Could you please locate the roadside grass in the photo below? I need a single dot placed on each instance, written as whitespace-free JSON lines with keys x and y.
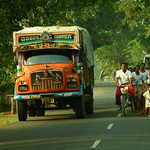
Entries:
{"x":7,"y":119}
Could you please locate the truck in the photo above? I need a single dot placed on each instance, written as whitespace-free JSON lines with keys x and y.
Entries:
{"x":55,"y":68}
{"x":146,"y":60}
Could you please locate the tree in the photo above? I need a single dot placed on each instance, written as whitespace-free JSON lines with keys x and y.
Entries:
{"x":16,"y":15}
{"x":129,"y":40}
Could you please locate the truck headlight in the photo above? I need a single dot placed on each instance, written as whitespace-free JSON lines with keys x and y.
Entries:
{"x":72,"y":84}
{"x":22,"y":88}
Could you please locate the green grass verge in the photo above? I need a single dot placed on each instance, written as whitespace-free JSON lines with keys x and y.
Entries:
{"x":5,"y":120}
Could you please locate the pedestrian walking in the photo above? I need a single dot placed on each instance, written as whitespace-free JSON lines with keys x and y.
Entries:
{"x":147,"y":100}
{"x":137,"y":82}
{"x":144,"y":72}
{"x":148,"y":75}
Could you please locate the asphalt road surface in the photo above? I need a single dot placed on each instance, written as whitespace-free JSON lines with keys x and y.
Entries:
{"x":106,"y":129}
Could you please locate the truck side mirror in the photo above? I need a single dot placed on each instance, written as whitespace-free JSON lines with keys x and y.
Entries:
{"x":79,"y":67}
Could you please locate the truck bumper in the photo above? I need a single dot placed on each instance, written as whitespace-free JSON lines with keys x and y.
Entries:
{"x":55,"y":95}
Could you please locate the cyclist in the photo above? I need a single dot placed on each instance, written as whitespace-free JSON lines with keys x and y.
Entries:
{"x":144,"y":72}
{"x":137,"y":82}
{"x":123,"y":77}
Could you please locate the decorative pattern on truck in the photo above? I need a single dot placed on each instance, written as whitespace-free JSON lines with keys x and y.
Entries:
{"x":46,"y":80}
{"x":47,"y":46}
{"x":29,"y":39}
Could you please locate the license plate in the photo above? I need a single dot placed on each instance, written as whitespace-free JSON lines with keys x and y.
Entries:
{"x":48,"y":100}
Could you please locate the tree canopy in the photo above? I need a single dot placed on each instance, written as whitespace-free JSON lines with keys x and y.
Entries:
{"x":127,"y":35}
{"x":119,"y":29}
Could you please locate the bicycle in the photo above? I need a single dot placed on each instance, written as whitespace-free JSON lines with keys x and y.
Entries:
{"x":124,"y":98}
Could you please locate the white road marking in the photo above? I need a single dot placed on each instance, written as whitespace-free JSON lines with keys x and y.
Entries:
{"x":110,"y":126}
{"x":119,"y":115}
{"x":95,"y":144}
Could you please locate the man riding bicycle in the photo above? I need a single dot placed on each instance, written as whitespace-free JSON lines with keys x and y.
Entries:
{"x":123,"y":77}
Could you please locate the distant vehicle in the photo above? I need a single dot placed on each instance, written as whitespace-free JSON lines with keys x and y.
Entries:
{"x":55,"y":65}
{"x":146,"y":60}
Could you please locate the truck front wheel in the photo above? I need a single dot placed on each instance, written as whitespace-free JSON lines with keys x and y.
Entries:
{"x":80,"y":107}
{"x":22,"y":110}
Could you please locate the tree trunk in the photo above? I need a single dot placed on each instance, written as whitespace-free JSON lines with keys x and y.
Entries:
{"x":101,"y":74}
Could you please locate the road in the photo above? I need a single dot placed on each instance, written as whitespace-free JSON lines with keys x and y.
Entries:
{"x":106,"y":129}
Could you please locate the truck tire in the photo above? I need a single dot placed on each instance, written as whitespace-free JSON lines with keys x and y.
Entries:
{"x":32,"y":113}
{"x":80,"y":107}
{"x":89,"y":108}
{"x":22,"y":110}
{"x":41,"y":112}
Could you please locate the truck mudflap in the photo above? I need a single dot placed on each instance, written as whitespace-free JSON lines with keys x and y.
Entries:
{"x":55,"y":95}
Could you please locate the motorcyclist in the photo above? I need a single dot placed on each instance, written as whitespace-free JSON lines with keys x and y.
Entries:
{"x":123,"y":77}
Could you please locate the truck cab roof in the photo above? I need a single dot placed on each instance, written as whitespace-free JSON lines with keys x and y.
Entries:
{"x":39,"y":29}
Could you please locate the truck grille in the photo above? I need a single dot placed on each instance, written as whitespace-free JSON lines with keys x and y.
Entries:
{"x":46,"y":80}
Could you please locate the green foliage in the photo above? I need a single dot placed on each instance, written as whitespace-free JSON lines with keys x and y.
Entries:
{"x":128,"y":36}
{"x":120,"y":30}
{"x":18,"y":14}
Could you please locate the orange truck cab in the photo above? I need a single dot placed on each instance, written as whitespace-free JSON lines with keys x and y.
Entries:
{"x":54,"y":68}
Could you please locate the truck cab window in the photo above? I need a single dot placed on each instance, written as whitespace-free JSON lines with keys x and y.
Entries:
{"x":47,"y":57}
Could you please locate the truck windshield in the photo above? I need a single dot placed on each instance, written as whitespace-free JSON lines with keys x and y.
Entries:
{"x":47,"y":57}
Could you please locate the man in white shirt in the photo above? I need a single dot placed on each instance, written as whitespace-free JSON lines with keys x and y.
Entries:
{"x":144,"y":86}
{"x":145,"y":75}
{"x":148,"y":75}
{"x":123,"y":77}
{"x":137,"y":83}
{"x":147,"y":99}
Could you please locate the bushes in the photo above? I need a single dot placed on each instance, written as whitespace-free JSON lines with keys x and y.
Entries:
{"x":4,"y":103}
{"x":6,"y":87}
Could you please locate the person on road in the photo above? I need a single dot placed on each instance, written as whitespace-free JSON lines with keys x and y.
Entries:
{"x":147,"y":100}
{"x":127,"y":65}
{"x":123,"y":77}
{"x":144,"y":72}
{"x":148,"y":75}
{"x":114,"y":75}
{"x":137,"y":82}
{"x":130,"y":69}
